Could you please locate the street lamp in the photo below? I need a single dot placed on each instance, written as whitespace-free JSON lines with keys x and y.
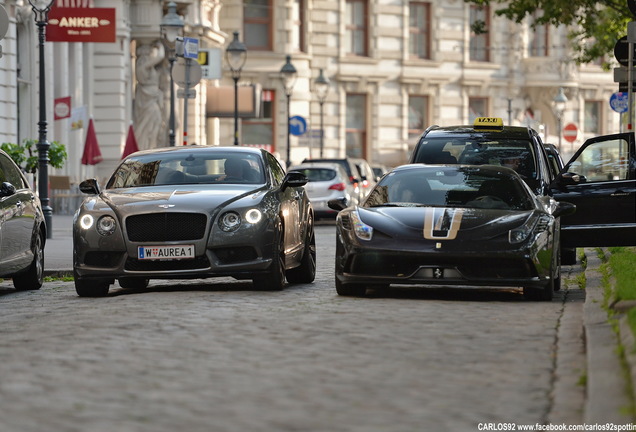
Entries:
{"x":321,"y":85}
{"x":288,"y":78}
{"x":236,"y":55}
{"x":171,"y":25}
{"x":559,"y":103}
{"x":41,"y":10}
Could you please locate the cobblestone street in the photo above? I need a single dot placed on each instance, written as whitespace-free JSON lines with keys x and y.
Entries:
{"x":215,"y":355}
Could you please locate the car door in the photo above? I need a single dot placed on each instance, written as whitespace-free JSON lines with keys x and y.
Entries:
{"x":288,"y":205}
{"x":17,"y":217}
{"x":600,"y":180}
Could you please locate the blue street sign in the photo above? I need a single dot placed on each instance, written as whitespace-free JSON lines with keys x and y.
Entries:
{"x":619,"y":102}
{"x":297,"y":125}
{"x":190,"y":48}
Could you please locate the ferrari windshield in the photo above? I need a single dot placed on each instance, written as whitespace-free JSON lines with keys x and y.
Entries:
{"x":188,"y":168}
{"x":470,"y":187}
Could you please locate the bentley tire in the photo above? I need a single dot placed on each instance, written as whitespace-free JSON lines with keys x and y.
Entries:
{"x":306,"y":271}
{"x":275,"y":279}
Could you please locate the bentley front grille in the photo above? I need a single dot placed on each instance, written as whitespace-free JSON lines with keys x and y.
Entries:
{"x":162,"y":227}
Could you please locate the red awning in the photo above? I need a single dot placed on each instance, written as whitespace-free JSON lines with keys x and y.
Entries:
{"x":92,"y":155}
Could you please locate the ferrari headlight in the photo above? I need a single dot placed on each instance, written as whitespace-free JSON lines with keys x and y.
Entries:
{"x":520,"y":234}
{"x":362,"y":230}
{"x":230,"y":221}
{"x":106,"y":225}
{"x":86,"y":221}
{"x":253,"y":216}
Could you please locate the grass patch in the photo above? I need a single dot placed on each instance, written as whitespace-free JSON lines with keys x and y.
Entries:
{"x":623,"y":266}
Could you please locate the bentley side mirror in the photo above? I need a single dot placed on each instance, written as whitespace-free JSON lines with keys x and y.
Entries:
{"x":294,"y":179}
{"x":89,"y":186}
{"x":6,"y":189}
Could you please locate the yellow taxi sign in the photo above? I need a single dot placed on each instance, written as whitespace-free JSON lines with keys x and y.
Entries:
{"x":492,"y":123}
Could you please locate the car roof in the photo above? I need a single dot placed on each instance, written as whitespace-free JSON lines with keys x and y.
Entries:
{"x":514,"y":132}
{"x":201,"y":148}
{"x":324,"y":165}
{"x":486,"y":169}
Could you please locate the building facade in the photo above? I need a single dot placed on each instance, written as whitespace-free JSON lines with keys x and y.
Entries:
{"x":394,"y":68}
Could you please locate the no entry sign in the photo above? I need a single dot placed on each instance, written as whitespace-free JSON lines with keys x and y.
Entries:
{"x":570,"y":131}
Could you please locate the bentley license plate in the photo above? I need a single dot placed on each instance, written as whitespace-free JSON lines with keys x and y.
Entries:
{"x":165,"y":252}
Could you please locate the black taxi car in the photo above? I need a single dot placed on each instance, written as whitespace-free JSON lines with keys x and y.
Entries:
{"x":600,"y":179}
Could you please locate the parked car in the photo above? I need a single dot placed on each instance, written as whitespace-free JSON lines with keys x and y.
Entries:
{"x":379,"y":170}
{"x":452,"y":225}
{"x":326,"y":181}
{"x":194,"y":212}
{"x":22,"y":228}
{"x":349,"y":167}
{"x":367,"y":178}
{"x":600,"y":179}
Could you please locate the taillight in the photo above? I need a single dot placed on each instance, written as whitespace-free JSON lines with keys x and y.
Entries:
{"x":337,"y":186}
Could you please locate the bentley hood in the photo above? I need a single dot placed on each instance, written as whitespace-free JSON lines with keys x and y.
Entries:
{"x":192,"y":198}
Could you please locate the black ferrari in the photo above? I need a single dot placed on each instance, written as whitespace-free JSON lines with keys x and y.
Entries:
{"x":452,"y":226}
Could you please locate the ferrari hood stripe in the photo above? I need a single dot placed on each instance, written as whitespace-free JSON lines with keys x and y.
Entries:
{"x":442,"y":223}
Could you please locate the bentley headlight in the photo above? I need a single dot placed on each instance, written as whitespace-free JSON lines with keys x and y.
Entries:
{"x":362,"y":230}
{"x":253,"y":216}
{"x":86,"y":221}
{"x":106,"y":225}
{"x":230,"y":221}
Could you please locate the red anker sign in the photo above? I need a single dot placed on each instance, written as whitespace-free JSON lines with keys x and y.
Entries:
{"x":570,"y":131}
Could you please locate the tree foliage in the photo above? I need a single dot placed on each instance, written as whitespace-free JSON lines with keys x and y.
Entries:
{"x":595,"y":26}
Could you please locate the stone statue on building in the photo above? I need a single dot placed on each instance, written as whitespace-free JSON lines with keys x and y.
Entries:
{"x":149,"y":97}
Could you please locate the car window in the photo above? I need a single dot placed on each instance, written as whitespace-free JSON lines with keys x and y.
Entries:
{"x":278,"y":173}
{"x":185,"y":168}
{"x":9,"y":173}
{"x":464,"y":188}
{"x":602,"y":161}
{"x":318,"y":174}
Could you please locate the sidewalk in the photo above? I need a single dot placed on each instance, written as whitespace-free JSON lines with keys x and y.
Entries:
{"x":608,"y":398}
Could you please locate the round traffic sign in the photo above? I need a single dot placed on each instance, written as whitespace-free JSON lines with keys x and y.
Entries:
{"x":619,"y":102}
{"x":297,"y":125}
{"x":621,"y":51}
{"x":186,"y":76}
{"x":570,"y":131}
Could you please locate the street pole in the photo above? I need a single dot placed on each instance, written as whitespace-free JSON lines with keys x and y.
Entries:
{"x":322,"y":128}
{"x":236,"y":134}
{"x":288,"y":94}
{"x":236,"y":55}
{"x":186,"y":100}
{"x":288,"y":75}
{"x":171,"y":25}
{"x":171,"y":123}
{"x":41,"y":10}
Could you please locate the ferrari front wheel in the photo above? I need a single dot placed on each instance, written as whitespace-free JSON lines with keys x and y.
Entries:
{"x":349,"y":289}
